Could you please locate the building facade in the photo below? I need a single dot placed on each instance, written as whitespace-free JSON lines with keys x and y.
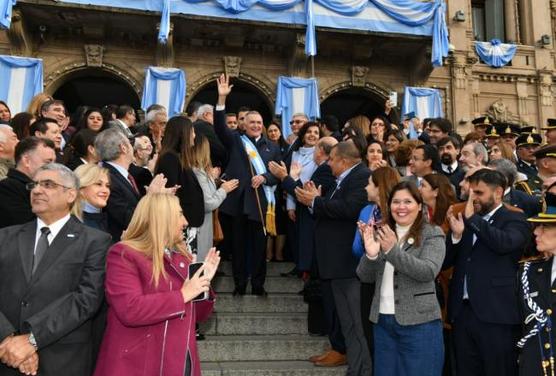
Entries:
{"x":97,"y":55}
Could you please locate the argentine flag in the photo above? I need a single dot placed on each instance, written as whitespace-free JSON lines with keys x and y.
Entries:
{"x":20,"y":80}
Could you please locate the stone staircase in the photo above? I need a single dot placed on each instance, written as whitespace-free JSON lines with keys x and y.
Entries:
{"x":254,"y":336}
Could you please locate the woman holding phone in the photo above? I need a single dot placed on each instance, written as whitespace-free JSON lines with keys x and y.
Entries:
{"x":152,"y":298}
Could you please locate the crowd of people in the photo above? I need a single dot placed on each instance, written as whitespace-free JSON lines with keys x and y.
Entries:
{"x":421,"y":252}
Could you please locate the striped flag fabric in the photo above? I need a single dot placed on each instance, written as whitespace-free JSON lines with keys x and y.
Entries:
{"x":296,"y":95}
{"x":164,"y":86}
{"x":21,"y":78}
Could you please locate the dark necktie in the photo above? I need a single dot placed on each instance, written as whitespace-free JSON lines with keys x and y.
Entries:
{"x":450,"y":169}
{"x":133,"y":183}
{"x":42,"y":246}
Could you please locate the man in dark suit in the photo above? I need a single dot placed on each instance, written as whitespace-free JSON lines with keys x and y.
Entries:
{"x":51,"y":282}
{"x":205,"y":125}
{"x":245,"y":209}
{"x":424,"y":160}
{"x":484,"y":247}
{"x":448,"y":151}
{"x":15,"y":205}
{"x":336,"y":216}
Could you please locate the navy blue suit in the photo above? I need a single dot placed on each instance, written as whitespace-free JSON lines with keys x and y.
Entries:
{"x":240,"y":211}
{"x":486,"y":325}
{"x":531,"y":205}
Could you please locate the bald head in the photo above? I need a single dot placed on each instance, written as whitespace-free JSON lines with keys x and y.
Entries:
{"x":323,"y":149}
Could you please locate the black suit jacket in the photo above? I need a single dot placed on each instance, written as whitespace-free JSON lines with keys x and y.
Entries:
{"x":190,"y":193}
{"x":57,"y":302}
{"x":455,"y":178}
{"x":243,"y":199}
{"x":15,"y":200}
{"x":218,"y":153}
{"x":121,"y":203}
{"x":336,"y":221}
{"x":321,"y":177}
{"x":142,"y":176}
{"x":543,"y":293}
{"x":490,"y":264}
{"x":531,"y":205}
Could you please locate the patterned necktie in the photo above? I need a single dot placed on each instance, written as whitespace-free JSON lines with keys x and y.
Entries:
{"x":42,"y":246}
{"x":133,"y":183}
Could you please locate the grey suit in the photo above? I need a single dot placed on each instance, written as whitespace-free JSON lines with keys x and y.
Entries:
{"x":415,"y":269}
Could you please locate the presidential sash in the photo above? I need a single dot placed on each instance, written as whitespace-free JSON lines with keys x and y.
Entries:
{"x":259,"y":167}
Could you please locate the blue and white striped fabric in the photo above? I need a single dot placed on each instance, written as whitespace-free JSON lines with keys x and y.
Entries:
{"x":20,"y":80}
{"x":296,"y":95}
{"x":164,"y":86}
{"x":427,"y":18}
{"x":6,"y":13}
{"x":259,"y":167}
{"x":425,"y":102}
{"x":495,"y":53}
{"x":164,"y":29}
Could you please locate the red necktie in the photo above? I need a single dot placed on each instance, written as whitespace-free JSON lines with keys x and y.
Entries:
{"x":133,"y":183}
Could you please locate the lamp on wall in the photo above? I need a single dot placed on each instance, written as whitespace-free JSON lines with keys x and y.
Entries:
{"x":545,"y":40}
{"x":459,"y":16}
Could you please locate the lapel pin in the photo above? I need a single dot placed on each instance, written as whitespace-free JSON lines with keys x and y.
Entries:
{"x":410,"y":241}
{"x":539,"y":270}
{"x":182,"y":265}
{"x":70,"y":235}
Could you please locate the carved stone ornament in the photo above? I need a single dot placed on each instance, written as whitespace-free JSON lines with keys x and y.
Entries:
{"x":500,"y":112}
{"x":232,"y":65}
{"x":545,"y":89}
{"x":94,"y":54}
{"x":359,"y":75}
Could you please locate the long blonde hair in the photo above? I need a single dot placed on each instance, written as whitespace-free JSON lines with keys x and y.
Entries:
{"x":201,"y":154}
{"x":153,"y":229}
{"x":88,"y":174}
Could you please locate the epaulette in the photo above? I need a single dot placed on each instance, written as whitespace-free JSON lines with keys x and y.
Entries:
{"x":533,"y":259}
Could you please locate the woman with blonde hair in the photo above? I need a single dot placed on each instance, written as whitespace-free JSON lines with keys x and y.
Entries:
{"x":153,"y":301}
{"x":362,"y":123}
{"x":94,"y":183}
{"x":213,"y":195}
{"x":36,"y":103}
{"x":501,"y":150}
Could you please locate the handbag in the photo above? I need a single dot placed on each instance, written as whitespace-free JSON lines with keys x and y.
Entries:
{"x":217,"y":233}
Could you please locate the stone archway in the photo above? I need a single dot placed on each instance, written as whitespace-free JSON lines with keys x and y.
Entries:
{"x":80,"y":85}
{"x":248,"y":91}
{"x":345,"y":100}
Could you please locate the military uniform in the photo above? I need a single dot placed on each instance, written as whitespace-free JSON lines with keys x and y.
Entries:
{"x":528,"y":139}
{"x":537,"y":295}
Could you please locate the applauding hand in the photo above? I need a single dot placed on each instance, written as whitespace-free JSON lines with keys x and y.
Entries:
{"x":212,"y":260}
{"x":372,"y":247}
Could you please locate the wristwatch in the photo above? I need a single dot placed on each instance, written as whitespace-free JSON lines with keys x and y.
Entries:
{"x":32,"y":340}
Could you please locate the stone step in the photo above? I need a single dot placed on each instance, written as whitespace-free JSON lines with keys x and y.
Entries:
{"x":273,"y":368}
{"x":255,"y":324}
{"x":225,"y":302}
{"x":260,"y":348}
{"x":273,"y":269}
{"x":272,"y":285}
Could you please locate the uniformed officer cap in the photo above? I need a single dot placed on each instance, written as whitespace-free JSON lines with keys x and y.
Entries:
{"x":550,"y":124}
{"x":483,"y":120}
{"x":548,"y":214}
{"x":545,"y":152}
{"x":508,"y":128}
{"x":533,"y":139}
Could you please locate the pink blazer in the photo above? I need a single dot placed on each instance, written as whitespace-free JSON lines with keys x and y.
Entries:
{"x":149,"y":330}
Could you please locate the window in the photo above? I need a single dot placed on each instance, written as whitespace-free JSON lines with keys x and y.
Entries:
{"x":488,"y":19}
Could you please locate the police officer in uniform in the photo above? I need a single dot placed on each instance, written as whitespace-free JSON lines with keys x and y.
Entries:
{"x":481,"y":124}
{"x":545,"y":159}
{"x":550,"y":131}
{"x":537,"y":292}
{"x":526,"y":144}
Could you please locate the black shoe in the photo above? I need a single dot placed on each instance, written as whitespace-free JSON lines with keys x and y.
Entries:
{"x":239,"y":291}
{"x":259,"y":291}
{"x":199,"y":336}
{"x":291,"y":273}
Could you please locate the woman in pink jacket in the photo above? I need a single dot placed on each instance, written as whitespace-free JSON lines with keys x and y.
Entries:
{"x":151,"y":316}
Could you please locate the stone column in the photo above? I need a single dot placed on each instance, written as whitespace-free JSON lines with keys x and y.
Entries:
{"x":510,"y":21}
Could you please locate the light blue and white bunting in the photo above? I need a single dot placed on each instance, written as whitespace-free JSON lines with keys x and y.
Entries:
{"x":6,"y":13}
{"x":425,"y":18}
{"x":20,"y":80}
{"x":164,"y":86}
{"x":495,"y":53}
{"x":425,"y":102}
{"x":296,"y":95}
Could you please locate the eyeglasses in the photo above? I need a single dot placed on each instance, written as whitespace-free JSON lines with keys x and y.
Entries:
{"x":46,"y":184}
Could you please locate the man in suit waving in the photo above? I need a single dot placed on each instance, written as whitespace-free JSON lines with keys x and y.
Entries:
{"x":336,"y":217}
{"x":484,"y":246}
{"x":51,"y":282}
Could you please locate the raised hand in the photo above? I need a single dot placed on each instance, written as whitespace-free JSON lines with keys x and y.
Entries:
{"x":279,"y":170}
{"x":456,"y":223}
{"x":387,"y":238}
{"x":372,"y":247}
{"x":212,"y":260}
{"x":223,"y":85}
{"x":158,"y":185}
{"x":295,"y":170}
{"x":469,"y":207}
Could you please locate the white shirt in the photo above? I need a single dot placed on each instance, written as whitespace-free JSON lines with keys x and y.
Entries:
{"x":454,"y":167}
{"x":54,"y":229}
{"x":121,"y":170}
{"x":387,"y":301}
